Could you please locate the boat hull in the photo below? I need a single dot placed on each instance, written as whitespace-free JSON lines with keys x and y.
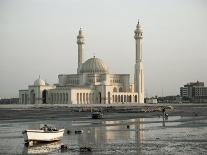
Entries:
{"x":42,"y":136}
{"x":96,"y":115}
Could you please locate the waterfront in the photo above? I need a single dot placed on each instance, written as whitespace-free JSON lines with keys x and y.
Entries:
{"x":180,"y":134}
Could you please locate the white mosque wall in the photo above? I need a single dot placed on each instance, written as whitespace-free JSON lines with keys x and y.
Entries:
{"x":60,"y":95}
{"x":82,"y":96}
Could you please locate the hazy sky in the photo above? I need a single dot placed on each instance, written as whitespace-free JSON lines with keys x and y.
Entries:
{"x":38,"y":37}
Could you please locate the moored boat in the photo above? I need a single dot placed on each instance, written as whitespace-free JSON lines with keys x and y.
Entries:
{"x":96,"y":115}
{"x":44,"y":134}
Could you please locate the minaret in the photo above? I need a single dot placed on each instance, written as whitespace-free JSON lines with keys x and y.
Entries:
{"x":139,"y":68}
{"x":80,"y":42}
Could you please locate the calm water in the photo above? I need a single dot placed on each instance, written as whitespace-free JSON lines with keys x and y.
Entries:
{"x":145,"y":136}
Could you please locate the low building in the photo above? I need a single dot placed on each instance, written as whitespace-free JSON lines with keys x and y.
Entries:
{"x":151,"y":100}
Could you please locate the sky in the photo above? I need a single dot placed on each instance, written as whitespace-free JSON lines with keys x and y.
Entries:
{"x":38,"y":37}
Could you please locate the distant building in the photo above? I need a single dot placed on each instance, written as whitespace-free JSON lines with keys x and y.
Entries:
{"x":169,"y":99}
{"x":9,"y":100}
{"x":151,"y":100}
{"x":194,"y":92}
{"x":93,"y":83}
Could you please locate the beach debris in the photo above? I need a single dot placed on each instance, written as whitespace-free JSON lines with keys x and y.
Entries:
{"x":78,"y":131}
{"x":195,"y":114}
{"x":85,"y":149}
{"x":68,"y":132}
{"x":63,"y":147}
{"x":128,"y":126}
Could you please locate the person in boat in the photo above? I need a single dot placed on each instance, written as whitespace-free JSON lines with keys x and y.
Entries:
{"x":45,"y":127}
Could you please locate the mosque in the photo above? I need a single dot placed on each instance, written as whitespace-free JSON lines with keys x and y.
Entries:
{"x":93,"y":83}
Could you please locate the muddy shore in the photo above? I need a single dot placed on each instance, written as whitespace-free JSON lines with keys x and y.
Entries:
{"x":16,"y":112}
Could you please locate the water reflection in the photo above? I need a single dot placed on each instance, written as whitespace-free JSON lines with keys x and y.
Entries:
{"x":113,"y":133}
{"x":42,"y":148}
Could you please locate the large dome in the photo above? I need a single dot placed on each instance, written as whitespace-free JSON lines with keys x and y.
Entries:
{"x":39,"y":82}
{"x":94,"y":65}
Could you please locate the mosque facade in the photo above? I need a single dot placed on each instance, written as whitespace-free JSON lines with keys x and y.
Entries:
{"x":93,"y":83}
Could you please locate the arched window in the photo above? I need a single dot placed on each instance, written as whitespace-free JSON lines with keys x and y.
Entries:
{"x":115,"y":89}
{"x":120,"y":89}
{"x":116,"y":98}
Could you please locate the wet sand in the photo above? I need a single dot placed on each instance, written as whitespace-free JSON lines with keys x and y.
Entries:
{"x":13,"y":112}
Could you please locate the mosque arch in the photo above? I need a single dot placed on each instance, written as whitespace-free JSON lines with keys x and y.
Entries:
{"x":99,"y":97}
{"x":130,"y":98}
{"x":63,"y":97}
{"x":80,"y":98}
{"x":118,"y":98}
{"x":77,"y":98}
{"x":90,"y":98}
{"x":114,"y":89}
{"x":22,"y":98}
{"x":32,"y":97}
{"x":86,"y":98}
{"x":124,"y":98}
{"x":109,"y":98}
{"x":135,"y":98}
{"x":51,"y":98}
{"x":57,"y":99}
{"x":115,"y":98}
{"x":60,"y":98}
{"x":121,"y":98}
{"x":66,"y":98}
{"x":54,"y":98}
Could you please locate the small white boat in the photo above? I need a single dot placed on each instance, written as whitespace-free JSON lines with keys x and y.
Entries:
{"x":44,"y":134}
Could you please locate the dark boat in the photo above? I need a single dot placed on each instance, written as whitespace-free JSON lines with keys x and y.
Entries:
{"x":96,"y":115}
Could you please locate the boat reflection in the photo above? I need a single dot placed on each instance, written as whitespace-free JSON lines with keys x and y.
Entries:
{"x":42,"y":148}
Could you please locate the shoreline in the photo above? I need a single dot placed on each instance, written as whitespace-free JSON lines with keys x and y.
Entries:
{"x":39,"y":112}
{"x":128,"y":105}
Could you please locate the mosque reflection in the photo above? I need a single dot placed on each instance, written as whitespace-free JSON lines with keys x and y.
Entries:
{"x":114,"y":132}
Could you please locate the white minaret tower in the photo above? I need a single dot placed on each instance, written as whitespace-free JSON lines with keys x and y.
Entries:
{"x":139,"y":68}
{"x":80,"y":42}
